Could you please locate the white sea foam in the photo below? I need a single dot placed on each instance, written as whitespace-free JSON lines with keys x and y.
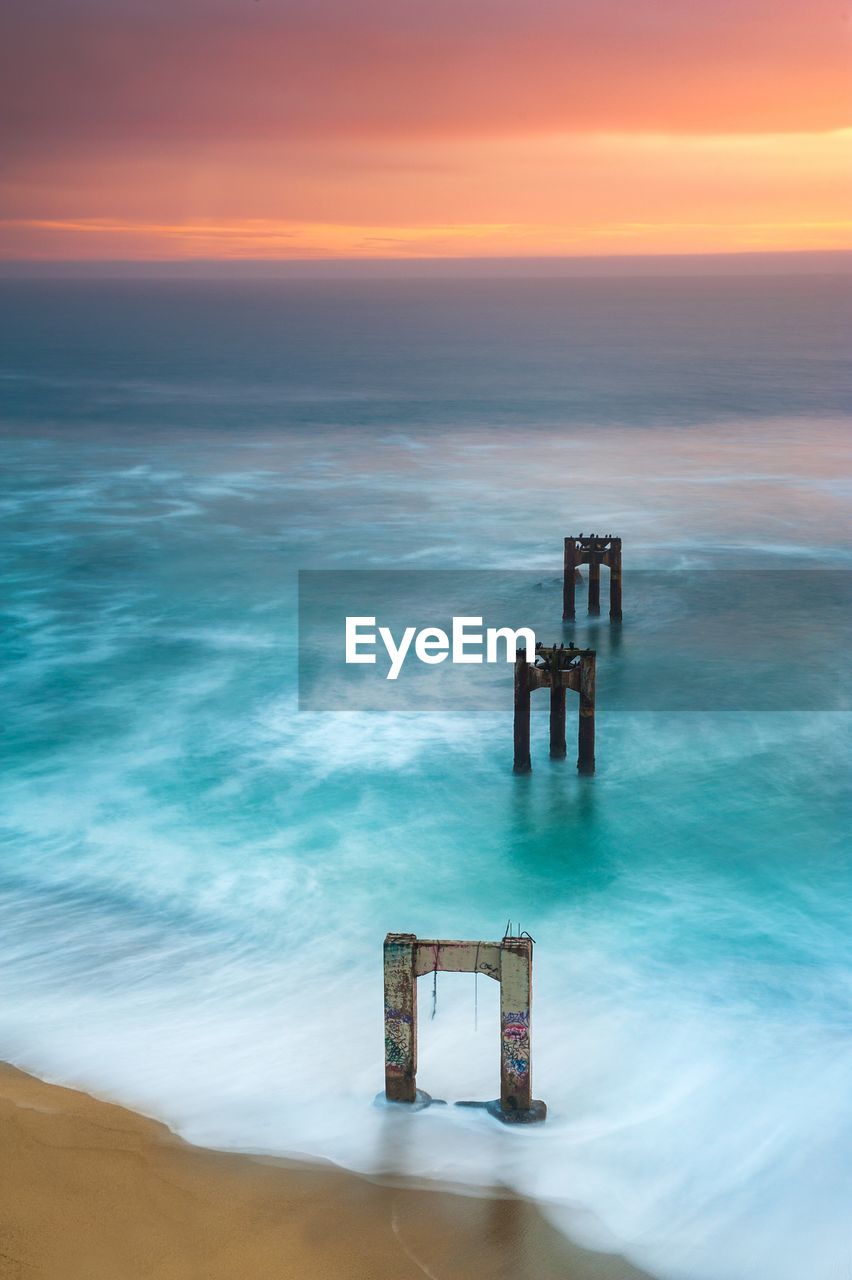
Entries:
{"x":703,"y":1138}
{"x":697,"y":1111}
{"x":197,"y":876}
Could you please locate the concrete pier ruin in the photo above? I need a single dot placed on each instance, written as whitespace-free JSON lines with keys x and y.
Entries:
{"x":557,"y":668}
{"x":509,"y":962}
{"x":593,"y":549}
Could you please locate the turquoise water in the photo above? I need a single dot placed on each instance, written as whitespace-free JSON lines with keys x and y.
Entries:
{"x":197,"y":876}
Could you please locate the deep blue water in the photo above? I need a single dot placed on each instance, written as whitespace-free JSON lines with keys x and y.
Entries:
{"x":196,"y":876}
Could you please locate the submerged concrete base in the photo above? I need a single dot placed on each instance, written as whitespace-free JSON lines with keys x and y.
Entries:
{"x":535,"y":1115}
{"x":421,"y":1101}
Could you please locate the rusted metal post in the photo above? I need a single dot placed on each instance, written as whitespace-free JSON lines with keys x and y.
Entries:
{"x":400,"y":1017}
{"x":615,"y":580}
{"x":569,"y":576}
{"x":515,"y":1010}
{"x":586,"y":734}
{"x":557,"y":668}
{"x":523,"y":762}
{"x":558,"y":747}
{"x":593,"y":549}
{"x":594,"y":584}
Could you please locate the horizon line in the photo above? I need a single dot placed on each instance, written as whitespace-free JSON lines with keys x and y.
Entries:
{"x":746,"y":262}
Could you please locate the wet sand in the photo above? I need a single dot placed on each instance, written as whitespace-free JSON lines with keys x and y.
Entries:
{"x":91,"y":1191}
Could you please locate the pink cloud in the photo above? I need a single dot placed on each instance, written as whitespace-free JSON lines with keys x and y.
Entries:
{"x":87,"y":73}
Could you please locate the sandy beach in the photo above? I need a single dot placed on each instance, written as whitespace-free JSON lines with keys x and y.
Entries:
{"x":91,"y":1191}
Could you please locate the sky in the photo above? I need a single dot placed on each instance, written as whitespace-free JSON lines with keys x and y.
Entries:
{"x":306,"y":129}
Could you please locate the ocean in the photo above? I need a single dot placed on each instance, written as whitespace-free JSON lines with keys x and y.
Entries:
{"x":198,"y":869}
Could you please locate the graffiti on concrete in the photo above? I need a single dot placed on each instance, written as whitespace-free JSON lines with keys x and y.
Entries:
{"x":397,"y":1039}
{"x":516,"y":1043}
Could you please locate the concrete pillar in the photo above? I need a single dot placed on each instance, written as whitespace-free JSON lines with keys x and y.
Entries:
{"x":615,"y":581}
{"x":586,"y":735}
{"x":400,"y":1018}
{"x":594,"y":584}
{"x":523,"y":762}
{"x":515,"y":1010}
{"x":569,"y":571}
{"x":558,"y":747}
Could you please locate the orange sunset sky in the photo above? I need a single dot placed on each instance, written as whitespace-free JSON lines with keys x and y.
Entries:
{"x":173,"y":129}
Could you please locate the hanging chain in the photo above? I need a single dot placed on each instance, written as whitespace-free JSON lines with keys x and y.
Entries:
{"x":476,"y":989}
